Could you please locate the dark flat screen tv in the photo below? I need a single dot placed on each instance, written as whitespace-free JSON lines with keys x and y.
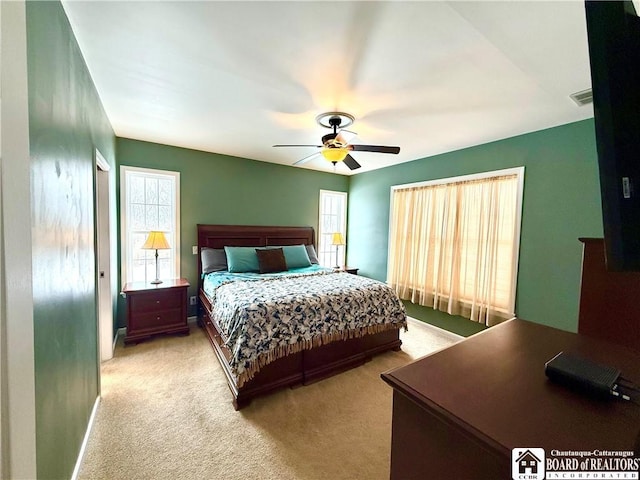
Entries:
{"x":613,"y":31}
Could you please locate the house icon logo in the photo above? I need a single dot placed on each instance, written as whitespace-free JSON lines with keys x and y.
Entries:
{"x":527,"y":464}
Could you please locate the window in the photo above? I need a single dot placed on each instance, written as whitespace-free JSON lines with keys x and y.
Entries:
{"x":150,"y":200}
{"x":332,"y":219}
{"x":453,"y":244}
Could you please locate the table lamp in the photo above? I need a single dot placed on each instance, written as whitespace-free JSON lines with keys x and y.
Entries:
{"x":156,"y":241}
{"x":337,"y":239}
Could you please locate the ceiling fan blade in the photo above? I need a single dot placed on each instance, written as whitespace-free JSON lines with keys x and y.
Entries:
{"x":345,"y":136}
{"x":317,"y":146}
{"x":374,"y":148}
{"x":350,"y":162}
{"x":307,"y":158}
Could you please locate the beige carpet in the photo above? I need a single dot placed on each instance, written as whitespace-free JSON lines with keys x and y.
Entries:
{"x":166,"y":413}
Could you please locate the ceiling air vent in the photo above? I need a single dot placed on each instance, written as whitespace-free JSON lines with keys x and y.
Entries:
{"x":582,"y":98}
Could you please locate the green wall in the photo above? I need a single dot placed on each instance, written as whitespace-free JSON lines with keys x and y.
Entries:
{"x":220,"y":189}
{"x":66,"y":124}
{"x":561,"y":203}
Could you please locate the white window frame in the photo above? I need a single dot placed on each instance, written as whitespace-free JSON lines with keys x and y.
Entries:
{"x":173,"y":239}
{"x":518,"y":171}
{"x":327,"y":252}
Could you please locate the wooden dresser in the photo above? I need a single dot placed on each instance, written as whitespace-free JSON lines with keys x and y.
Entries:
{"x":154,"y":309}
{"x":459,"y":412}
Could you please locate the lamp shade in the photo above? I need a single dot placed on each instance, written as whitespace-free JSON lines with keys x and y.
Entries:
{"x":156,"y":241}
{"x":337,"y":239}
{"x":335,"y":154}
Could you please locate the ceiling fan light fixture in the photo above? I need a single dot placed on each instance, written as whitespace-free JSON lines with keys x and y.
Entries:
{"x":335,"y":154}
{"x":336,"y":146}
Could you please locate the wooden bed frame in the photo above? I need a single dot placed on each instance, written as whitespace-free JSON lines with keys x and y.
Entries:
{"x":304,"y":367}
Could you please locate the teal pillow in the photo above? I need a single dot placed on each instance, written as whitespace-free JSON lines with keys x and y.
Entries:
{"x":242,"y":259}
{"x":296,"y":256}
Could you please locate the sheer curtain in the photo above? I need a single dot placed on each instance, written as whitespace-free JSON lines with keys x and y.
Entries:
{"x":454,"y":246}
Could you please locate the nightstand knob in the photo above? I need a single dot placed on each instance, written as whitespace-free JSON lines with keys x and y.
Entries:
{"x":157,"y":318}
{"x":157,"y":301}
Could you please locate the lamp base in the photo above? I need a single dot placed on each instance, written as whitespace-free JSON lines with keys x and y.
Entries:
{"x":155,"y":282}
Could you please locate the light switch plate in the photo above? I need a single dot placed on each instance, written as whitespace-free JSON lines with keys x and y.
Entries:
{"x":194,"y":249}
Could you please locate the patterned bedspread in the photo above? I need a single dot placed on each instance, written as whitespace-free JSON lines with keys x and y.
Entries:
{"x":266,"y":319}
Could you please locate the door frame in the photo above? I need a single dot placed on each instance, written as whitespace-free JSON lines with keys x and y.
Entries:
{"x":17,"y":382}
{"x":104,"y":271}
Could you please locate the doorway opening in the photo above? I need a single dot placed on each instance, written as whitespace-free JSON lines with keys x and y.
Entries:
{"x":103,"y":259}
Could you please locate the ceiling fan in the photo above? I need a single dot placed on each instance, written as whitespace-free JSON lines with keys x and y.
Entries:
{"x":335,"y":146}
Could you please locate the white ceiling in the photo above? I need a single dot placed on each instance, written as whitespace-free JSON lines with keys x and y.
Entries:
{"x":237,"y":77}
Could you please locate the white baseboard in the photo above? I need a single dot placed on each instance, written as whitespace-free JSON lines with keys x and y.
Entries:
{"x":76,"y":469}
{"x":441,"y":331}
{"x":192,"y":320}
{"x":120,"y":332}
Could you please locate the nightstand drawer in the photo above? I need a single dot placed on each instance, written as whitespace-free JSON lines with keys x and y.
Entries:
{"x":156,"y":301}
{"x":159,"y":320}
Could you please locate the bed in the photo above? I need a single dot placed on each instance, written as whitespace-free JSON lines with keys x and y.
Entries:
{"x":277,"y":329}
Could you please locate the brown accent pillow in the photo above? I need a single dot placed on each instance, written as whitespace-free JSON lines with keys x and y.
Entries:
{"x":271,"y":260}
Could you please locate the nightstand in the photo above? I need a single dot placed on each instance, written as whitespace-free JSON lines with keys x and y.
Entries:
{"x":154,"y":309}
{"x":352,"y":270}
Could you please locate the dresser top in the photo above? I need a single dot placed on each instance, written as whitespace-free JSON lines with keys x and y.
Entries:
{"x":493,"y":386}
{"x":141,"y":286}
